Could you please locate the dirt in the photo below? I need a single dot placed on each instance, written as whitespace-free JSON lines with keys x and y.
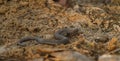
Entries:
{"x":98,"y":23}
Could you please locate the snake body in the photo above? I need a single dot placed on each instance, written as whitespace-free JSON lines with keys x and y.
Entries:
{"x":60,"y":35}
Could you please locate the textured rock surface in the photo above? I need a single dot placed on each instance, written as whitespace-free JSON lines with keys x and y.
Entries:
{"x":109,"y":58}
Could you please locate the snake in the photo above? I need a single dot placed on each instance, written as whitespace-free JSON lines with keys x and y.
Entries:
{"x":61,"y":37}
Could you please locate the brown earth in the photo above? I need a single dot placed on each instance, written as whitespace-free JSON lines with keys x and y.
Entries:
{"x":98,"y":23}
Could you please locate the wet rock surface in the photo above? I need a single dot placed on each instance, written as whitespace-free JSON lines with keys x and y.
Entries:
{"x":98,"y":23}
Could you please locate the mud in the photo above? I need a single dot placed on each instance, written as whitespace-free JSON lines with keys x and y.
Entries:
{"x":98,"y":23}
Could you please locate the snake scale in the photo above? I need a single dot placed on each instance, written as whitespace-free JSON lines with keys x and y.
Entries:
{"x":60,"y":35}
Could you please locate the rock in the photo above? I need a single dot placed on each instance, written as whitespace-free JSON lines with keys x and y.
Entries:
{"x":69,"y":56}
{"x":109,"y":58}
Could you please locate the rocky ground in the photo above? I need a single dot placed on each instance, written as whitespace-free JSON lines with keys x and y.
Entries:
{"x":98,"y":23}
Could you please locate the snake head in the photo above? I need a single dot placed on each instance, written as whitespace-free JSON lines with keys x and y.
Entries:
{"x":73,"y":31}
{"x":69,"y":31}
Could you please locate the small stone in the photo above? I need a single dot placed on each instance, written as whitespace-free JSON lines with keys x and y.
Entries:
{"x":109,"y":58}
{"x":24,"y":3}
{"x":116,"y":28}
{"x":48,"y":36}
{"x":103,"y":38}
{"x":76,"y":8}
